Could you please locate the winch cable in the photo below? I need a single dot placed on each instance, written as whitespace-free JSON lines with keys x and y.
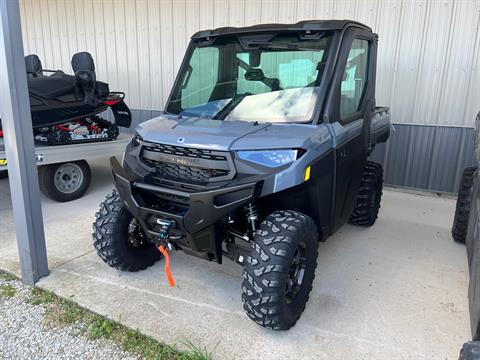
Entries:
{"x":165,"y":253}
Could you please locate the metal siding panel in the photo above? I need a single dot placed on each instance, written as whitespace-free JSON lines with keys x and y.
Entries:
{"x":133,"y":74}
{"x":305,"y":10}
{"x":236,"y":13}
{"x":79,"y":20}
{"x":143,"y":55}
{"x":220,"y":11}
{"x":410,"y":43}
{"x":119,"y":42}
{"x":451,"y":107}
{"x":110,"y":26}
{"x":24,"y":25}
{"x":367,"y":12}
{"x":426,"y":157}
{"x":207,"y":14}
{"x":472,"y":105}
{"x":48,"y":60}
{"x":166,"y":31}
{"x":100,"y":40}
{"x":324,"y":9}
{"x":344,"y":9}
{"x":432,"y":65}
{"x":286,"y":11}
{"x":155,"y":47}
{"x":88,"y":9}
{"x":389,"y":29}
{"x":192,"y":19}
{"x":179,"y":35}
{"x":269,"y":11}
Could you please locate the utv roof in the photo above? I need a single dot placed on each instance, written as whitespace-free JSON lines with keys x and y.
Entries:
{"x":306,"y":25}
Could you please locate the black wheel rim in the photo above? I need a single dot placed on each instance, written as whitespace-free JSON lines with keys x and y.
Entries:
{"x":136,"y":239}
{"x":296,"y":273}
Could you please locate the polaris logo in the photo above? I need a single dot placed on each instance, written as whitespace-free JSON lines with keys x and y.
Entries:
{"x":177,"y":159}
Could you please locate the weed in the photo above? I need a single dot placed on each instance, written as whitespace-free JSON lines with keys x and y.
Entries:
{"x":7,"y":290}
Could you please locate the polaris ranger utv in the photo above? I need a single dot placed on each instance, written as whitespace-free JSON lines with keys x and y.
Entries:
{"x":261,"y":153}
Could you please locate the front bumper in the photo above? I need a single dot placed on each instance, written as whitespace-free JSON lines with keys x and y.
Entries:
{"x":198,"y":215}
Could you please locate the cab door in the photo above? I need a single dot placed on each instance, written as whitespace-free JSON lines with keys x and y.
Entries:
{"x":351,"y":104}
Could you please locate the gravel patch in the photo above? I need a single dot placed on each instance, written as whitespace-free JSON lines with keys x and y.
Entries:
{"x":23,"y":334}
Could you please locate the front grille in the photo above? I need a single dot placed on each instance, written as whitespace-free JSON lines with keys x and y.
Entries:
{"x":187,"y":152}
{"x":188,"y":165}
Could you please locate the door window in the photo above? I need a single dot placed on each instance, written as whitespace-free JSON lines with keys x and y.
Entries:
{"x":354,"y":78}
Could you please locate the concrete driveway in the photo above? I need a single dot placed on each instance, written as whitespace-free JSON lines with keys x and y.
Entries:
{"x":397,"y":290}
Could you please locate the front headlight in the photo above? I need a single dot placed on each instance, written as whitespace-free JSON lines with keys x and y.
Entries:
{"x":137,"y":140}
{"x":270,"y":158}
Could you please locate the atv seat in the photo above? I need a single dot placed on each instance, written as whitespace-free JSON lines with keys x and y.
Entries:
{"x":33,"y":65}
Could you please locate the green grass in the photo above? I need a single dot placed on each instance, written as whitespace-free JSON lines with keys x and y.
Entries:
{"x":6,"y":276}
{"x":7,"y":290}
{"x":61,"y":312}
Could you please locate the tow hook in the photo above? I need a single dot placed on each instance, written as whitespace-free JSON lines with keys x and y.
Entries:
{"x":166,"y":226}
{"x":165,"y":245}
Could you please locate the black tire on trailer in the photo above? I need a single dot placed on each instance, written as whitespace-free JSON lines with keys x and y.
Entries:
{"x":369,"y":196}
{"x":278,"y":275}
{"x":462,"y":210}
{"x":66,"y":181}
{"x":118,"y":238}
{"x":3,"y":174}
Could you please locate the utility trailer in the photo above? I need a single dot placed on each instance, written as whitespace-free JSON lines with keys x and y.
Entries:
{"x":63,"y":171}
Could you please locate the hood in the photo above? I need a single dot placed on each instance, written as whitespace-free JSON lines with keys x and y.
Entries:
{"x":196,"y":132}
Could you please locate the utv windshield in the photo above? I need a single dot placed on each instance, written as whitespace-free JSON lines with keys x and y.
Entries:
{"x":248,"y":79}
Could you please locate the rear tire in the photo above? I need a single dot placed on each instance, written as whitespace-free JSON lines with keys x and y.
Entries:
{"x":3,"y":174}
{"x":462,"y":210}
{"x":369,"y":196}
{"x":117,"y":245}
{"x":66,"y":181}
{"x":280,"y":269}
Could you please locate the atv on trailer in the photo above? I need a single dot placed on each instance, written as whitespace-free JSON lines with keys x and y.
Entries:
{"x":261,"y":153}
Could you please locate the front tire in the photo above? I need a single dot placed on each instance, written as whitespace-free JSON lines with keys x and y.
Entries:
{"x":66,"y":181}
{"x":462,"y":210}
{"x":119,"y":240}
{"x":369,"y":196}
{"x":280,"y":269}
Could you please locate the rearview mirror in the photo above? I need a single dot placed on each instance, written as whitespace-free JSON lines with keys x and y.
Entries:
{"x":254,"y":58}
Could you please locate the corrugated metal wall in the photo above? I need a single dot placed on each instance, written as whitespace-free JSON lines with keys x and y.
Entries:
{"x":428,"y":59}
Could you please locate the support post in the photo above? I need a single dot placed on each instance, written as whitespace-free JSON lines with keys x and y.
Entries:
{"x":19,"y":146}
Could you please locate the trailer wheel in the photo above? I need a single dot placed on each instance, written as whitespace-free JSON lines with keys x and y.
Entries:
{"x":278,"y":275}
{"x":64,"y":181}
{"x":3,"y":174}
{"x":369,"y":196}
{"x":118,"y":238}
{"x":462,"y":210}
